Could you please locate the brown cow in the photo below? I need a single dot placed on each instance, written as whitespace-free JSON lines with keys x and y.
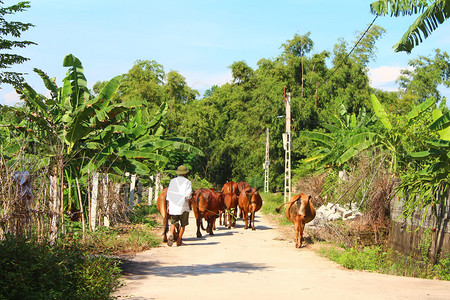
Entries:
{"x":229,"y":187}
{"x":206,"y":204}
{"x":242,"y":186}
{"x":230,"y":201}
{"x":249,"y":203}
{"x":299,"y":211}
{"x":163,"y":208}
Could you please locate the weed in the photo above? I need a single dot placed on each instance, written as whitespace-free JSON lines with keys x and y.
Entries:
{"x":425,"y":245}
{"x":442,"y":268}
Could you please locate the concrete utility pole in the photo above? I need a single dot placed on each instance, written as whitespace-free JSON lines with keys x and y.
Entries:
{"x":266,"y":164}
{"x":287,"y":147}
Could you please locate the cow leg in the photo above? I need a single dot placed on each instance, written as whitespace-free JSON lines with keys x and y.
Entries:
{"x":225,"y":217}
{"x":299,"y":225}
{"x":166,"y":228}
{"x":199,"y":224}
{"x":253,"y":220}
{"x":213,"y":226}
{"x":245,"y":216}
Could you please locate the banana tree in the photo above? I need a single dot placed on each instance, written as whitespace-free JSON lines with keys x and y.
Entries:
{"x":428,"y":184}
{"x":137,"y":147}
{"x":391,"y":137}
{"x":347,"y":136}
{"x":350,"y":134}
{"x":63,"y":123}
{"x":432,"y":14}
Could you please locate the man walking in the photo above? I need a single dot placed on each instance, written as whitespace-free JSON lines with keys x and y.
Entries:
{"x":178,"y":195}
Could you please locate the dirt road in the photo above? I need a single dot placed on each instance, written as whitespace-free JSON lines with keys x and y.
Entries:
{"x":262,"y":264}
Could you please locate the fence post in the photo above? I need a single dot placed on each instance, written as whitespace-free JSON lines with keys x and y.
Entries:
{"x":94,"y":200}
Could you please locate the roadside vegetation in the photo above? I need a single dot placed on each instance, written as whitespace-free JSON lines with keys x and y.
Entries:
{"x":74,"y":161}
{"x":347,"y":245}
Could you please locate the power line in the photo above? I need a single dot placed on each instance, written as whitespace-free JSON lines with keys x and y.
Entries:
{"x":342,"y":62}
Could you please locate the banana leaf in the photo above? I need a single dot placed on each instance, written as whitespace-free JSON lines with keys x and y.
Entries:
{"x":419,"y":109}
{"x":323,"y":138}
{"x":442,"y":124}
{"x":380,"y":112}
{"x":360,"y":138}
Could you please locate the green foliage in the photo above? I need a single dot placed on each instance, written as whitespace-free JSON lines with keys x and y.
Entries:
{"x":12,"y":29}
{"x":140,"y":214}
{"x":347,"y":136}
{"x":443,"y":268}
{"x":425,"y":183}
{"x":375,"y":259}
{"x":34,"y":270}
{"x":368,"y":259}
{"x":426,"y":73}
{"x":432,"y":13}
{"x":110,"y":240}
{"x":198,"y":183}
{"x":425,"y":244}
{"x":271,"y":202}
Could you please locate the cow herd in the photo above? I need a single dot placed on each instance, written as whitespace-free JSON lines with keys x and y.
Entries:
{"x":236,"y":198}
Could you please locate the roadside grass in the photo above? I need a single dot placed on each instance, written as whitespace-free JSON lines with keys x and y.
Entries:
{"x":376,"y":258}
{"x":75,"y":267}
{"x":272,"y":202}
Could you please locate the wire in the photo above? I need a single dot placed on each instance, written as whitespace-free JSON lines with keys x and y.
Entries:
{"x":342,"y":62}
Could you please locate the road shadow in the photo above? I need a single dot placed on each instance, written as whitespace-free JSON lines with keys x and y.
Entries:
{"x":136,"y":270}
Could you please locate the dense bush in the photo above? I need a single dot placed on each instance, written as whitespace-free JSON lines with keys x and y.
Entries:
{"x":37,"y":270}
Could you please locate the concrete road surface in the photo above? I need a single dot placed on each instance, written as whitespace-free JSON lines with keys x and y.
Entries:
{"x":240,"y":263}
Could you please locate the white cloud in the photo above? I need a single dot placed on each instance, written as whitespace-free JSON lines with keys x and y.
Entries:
{"x":384,"y":77}
{"x":202,"y":81}
{"x":11,"y":98}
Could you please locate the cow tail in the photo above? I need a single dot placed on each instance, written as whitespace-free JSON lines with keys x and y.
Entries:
{"x":279,"y":208}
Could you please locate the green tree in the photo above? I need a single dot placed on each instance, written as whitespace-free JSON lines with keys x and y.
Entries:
{"x":8,"y":30}
{"x":177,"y":88}
{"x":294,"y":52}
{"x":241,"y":72}
{"x":144,"y":82}
{"x":426,"y":75}
{"x":365,"y":50}
{"x":432,"y":14}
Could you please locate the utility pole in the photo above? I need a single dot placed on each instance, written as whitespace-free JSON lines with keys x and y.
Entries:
{"x":287,"y":147}
{"x":266,"y":164}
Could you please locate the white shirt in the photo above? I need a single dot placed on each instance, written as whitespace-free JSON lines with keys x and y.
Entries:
{"x":178,"y":193}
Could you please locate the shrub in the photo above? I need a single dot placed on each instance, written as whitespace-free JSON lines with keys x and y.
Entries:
{"x":140,"y":214}
{"x":443,"y":268}
{"x":37,"y":270}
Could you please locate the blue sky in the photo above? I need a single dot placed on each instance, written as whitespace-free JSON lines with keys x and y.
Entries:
{"x":199,"y":39}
